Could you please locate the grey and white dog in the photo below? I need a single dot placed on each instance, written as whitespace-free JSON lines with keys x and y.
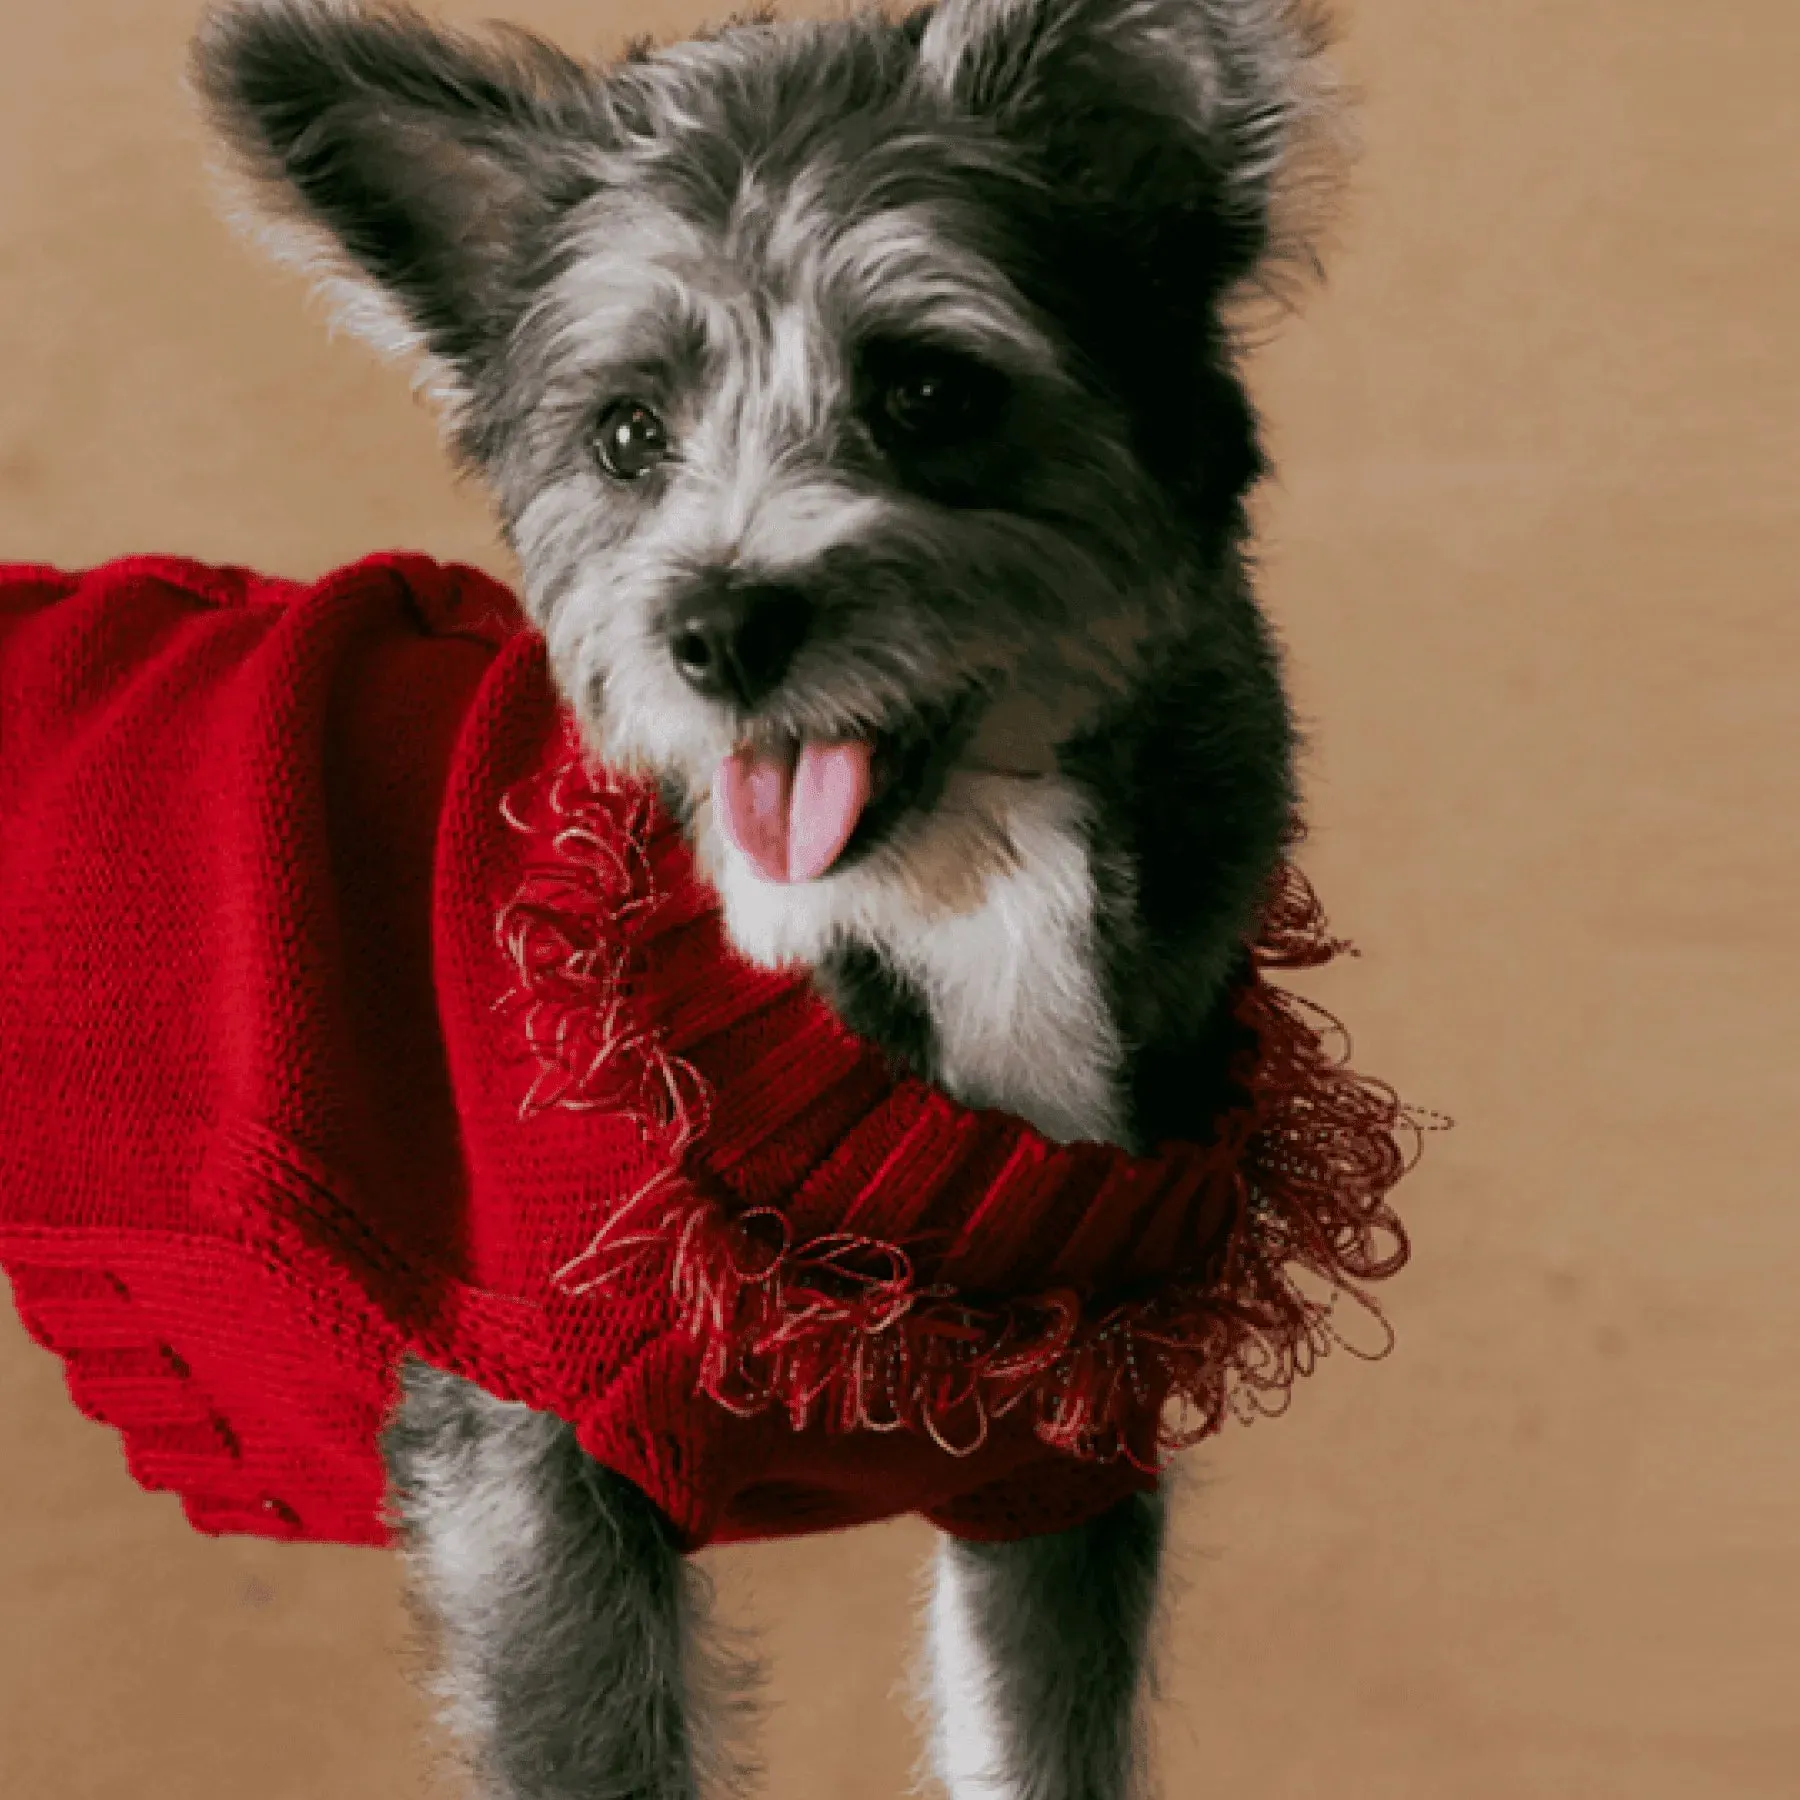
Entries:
{"x":860,"y":401}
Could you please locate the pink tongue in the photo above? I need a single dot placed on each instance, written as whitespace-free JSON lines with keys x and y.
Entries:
{"x":792,"y":815}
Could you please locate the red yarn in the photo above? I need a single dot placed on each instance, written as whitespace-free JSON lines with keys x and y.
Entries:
{"x":270,"y":856}
{"x":851,"y":1330}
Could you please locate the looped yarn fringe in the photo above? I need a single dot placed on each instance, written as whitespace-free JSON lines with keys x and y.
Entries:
{"x":846,"y":1327}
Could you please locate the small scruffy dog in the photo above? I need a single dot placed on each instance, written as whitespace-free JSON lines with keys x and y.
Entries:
{"x":860,"y":403}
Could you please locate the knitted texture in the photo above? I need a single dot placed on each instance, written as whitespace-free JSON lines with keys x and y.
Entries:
{"x":345,"y":1009}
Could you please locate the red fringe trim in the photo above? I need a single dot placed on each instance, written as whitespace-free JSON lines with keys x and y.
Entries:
{"x":843,"y":1328}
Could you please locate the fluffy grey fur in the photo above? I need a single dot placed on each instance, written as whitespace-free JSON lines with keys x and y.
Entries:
{"x":859,"y":379}
{"x":568,"y":1626}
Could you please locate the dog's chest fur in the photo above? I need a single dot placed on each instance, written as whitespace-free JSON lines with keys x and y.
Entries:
{"x":975,"y":959}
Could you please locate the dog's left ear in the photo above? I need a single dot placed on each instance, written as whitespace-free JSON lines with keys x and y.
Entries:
{"x":408,"y":165}
{"x":1157,"y":111}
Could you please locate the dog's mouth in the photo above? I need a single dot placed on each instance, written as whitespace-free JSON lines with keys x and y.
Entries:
{"x":802,"y":807}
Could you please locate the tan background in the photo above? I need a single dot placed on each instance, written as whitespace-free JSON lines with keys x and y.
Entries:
{"x":1533,"y":547}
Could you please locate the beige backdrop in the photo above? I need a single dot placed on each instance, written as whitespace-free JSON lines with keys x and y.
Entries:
{"x":1533,"y":548}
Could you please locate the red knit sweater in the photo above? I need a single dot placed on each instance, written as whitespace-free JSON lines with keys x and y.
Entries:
{"x":344,"y":1010}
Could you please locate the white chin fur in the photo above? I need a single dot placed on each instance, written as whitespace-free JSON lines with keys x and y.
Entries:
{"x":987,"y":903}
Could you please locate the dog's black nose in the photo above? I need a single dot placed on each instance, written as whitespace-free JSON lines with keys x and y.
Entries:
{"x":736,"y":642}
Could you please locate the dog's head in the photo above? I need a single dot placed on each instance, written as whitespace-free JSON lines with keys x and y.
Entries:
{"x":856,"y":393}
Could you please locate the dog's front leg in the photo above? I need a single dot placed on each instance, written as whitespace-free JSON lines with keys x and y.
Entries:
{"x":1036,"y":1655}
{"x":570,"y":1623}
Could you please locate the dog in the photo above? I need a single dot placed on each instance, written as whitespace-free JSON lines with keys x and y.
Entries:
{"x":860,"y":399}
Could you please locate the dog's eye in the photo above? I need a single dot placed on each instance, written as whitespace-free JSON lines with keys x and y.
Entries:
{"x":630,"y":440}
{"x":931,"y":399}
{"x":933,"y":403}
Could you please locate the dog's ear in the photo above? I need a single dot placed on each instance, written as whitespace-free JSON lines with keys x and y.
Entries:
{"x":410,"y":167}
{"x":1159,"y":111}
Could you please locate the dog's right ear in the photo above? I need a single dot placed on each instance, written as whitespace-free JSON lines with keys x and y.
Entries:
{"x":412,"y":167}
{"x":1159,"y":112}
